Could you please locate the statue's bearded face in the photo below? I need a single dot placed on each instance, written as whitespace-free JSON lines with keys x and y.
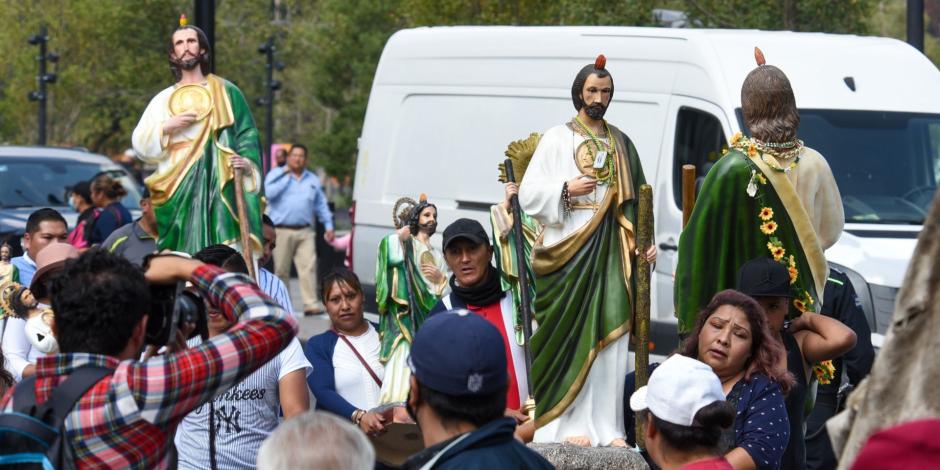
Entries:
{"x":186,"y":50}
{"x":427,"y":220}
{"x":596,"y":95}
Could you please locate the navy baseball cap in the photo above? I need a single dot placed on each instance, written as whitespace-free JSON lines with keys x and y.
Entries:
{"x":466,"y":228}
{"x":764,"y":277}
{"x":459,"y":353}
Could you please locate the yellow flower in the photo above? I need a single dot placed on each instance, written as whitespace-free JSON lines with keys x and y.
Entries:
{"x":792,"y":263}
{"x":793,"y":274}
{"x":761,"y":178}
{"x":778,"y":252}
{"x":766,"y":213}
{"x":752,"y":150}
{"x":768,"y":227}
{"x":736,"y":138}
{"x":798,"y":303}
{"x":824,"y":372}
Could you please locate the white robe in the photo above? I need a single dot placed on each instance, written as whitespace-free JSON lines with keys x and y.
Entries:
{"x":597,"y":411}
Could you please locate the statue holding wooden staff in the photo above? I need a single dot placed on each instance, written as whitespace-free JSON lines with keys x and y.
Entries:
{"x":582,"y":185}
{"x":199,"y":131}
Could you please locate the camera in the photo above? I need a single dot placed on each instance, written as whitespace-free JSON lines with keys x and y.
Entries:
{"x":172,"y":306}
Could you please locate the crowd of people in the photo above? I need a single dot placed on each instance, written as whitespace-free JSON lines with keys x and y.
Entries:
{"x":171,"y":340}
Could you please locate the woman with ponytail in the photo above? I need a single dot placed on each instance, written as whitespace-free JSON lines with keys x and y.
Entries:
{"x":106,"y":194}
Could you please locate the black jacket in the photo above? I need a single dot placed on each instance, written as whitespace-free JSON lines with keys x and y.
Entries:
{"x":491,"y":447}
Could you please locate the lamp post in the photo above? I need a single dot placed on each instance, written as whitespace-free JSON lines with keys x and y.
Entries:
{"x":42,"y":78}
{"x":271,"y":85}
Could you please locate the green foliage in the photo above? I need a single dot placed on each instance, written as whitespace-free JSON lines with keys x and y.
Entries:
{"x":796,"y":15}
{"x":889,"y":18}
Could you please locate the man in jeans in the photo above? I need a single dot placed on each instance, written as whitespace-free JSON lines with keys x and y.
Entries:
{"x":294,"y":196}
{"x":126,"y":419}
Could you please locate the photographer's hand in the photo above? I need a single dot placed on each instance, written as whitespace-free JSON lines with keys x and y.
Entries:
{"x":167,"y":269}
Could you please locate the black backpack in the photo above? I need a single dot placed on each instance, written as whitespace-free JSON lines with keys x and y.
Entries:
{"x":31,"y":436}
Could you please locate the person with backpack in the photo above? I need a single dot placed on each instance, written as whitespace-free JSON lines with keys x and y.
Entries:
{"x":80,"y":201}
{"x":118,"y":411}
{"x":106,"y":193}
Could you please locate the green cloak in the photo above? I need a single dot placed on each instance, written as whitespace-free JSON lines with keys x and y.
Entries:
{"x":195,"y":205}
{"x":727,"y":228}
{"x":584,"y":291}
{"x":504,"y":251}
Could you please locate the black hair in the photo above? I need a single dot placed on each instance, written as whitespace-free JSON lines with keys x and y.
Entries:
{"x":416,"y":216}
{"x":705,"y":430}
{"x":204,"y":59}
{"x":235,"y":264}
{"x":98,"y":299}
{"x":6,"y":378}
{"x":265,"y":220}
{"x":46,"y":214}
{"x":339,"y":276}
{"x":299,"y":146}
{"x":83,"y":190}
{"x":216,"y":255}
{"x":111,"y":187}
{"x":477,"y":410}
{"x":577,"y":87}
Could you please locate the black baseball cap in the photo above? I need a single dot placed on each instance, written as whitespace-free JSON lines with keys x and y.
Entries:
{"x":764,"y":277}
{"x":465,"y":228}
{"x":459,"y":353}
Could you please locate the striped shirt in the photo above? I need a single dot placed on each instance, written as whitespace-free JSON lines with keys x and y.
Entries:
{"x":275,"y":288}
{"x":125,"y":420}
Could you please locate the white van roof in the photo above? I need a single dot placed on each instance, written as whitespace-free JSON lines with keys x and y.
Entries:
{"x":888,"y":74}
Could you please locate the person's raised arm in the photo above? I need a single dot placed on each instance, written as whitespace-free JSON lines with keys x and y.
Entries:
{"x":821,"y":338}
{"x":170,"y":386}
{"x":275,"y":183}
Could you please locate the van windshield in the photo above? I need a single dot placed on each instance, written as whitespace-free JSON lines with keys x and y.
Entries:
{"x":887,"y":164}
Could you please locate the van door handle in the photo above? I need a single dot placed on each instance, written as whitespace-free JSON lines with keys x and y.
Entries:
{"x":668,"y":247}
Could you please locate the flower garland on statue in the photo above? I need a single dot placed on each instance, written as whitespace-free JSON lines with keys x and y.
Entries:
{"x":802,"y":301}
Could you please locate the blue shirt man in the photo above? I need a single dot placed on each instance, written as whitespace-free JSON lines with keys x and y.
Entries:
{"x":294,"y":196}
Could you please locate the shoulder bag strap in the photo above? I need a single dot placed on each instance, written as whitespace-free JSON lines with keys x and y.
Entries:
{"x":67,"y":393}
{"x":375,"y":376}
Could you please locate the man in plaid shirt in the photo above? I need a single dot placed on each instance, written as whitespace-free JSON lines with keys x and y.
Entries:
{"x":126,"y":420}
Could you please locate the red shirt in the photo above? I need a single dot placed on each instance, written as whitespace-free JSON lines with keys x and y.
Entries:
{"x":493,"y":313}
{"x":717,"y":463}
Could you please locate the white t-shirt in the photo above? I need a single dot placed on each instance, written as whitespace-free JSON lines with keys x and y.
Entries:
{"x":353,"y":381}
{"x":244,"y":416}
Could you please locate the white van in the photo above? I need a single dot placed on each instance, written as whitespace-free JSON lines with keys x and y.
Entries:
{"x":446,"y":101}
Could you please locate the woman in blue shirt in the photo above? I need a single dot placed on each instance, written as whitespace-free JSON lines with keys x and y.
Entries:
{"x":732,"y":336}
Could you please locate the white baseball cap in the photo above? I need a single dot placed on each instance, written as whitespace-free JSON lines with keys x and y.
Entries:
{"x":678,"y":388}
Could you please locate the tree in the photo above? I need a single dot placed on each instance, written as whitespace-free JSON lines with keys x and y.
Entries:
{"x":795,"y":15}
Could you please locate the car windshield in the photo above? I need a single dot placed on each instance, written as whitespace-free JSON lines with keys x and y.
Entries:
{"x":887,"y":165}
{"x":26,"y":182}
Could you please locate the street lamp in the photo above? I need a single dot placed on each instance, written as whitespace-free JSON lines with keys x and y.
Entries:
{"x":271,"y":85}
{"x":42,"y":78}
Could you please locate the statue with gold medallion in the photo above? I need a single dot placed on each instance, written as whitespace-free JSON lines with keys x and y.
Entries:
{"x":582,"y":186}
{"x":200,"y":134}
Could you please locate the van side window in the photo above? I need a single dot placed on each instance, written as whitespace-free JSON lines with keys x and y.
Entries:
{"x":700,"y":142}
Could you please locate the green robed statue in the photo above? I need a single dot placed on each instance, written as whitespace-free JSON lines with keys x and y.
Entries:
{"x":770,"y":195}
{"x":197,"y":131}
{"x":410,"y":277}
{"x":582,"y":185}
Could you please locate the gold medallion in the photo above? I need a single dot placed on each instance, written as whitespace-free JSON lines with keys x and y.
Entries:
{"x":584,"y":159}
{"x":191,"y":98}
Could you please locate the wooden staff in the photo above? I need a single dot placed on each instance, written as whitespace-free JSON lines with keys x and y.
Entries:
{"x":642,"y":328}
{"x":243,"y":225}
{"x":525,"y":303}
{"x":688,"y":192}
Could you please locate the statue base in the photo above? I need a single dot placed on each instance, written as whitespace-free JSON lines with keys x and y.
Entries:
{"x":571,"y":457}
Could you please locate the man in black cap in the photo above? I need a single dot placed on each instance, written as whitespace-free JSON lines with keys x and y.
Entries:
{"x":475,"y":286}
{"x":458,"y":388}
{"x":809,"y":339}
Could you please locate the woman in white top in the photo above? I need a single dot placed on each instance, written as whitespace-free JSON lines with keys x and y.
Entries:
{"x":347,"y":376}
